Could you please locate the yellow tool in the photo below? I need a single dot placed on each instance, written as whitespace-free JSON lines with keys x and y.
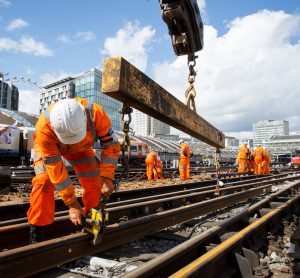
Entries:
{"x":96,"y":220}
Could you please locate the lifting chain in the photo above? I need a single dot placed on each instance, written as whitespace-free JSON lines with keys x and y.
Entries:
{"x":125,"y":145}
{"x":218,"y":154}
{"x":190,"y":92}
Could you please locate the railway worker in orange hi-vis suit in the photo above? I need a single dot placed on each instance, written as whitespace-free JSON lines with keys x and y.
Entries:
{"x":242,"y":158}
{"x":258,"y":158}
{"x":69,"y":129}
{"x":266,"y":161}
{"x":184,"y":164}
{"x":151,"y":160}
{"x":250,"y":162}
{"x":158,"y":167}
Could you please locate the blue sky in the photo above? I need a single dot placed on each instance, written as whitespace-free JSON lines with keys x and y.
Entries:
{"x":46,"y":40}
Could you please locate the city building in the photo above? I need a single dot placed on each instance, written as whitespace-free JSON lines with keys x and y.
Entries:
{"x":60,"y":89}
{"x":231,"y":142}
{"x":9,"y":96}
{"x":283,"y":145}
{"x":264,"y":130}
{"x":86,"y":85}
{"x":249,"y":142}
{"x":147,"y":126}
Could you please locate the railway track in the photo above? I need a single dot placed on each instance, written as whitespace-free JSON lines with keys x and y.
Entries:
{"x":18,"y":210}
{"x":223,"y":250}
{"x":70,"y":247}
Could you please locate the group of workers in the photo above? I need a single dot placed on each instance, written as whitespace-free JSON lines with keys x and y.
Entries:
{"x":256,"y":161}
{"x":154,"y":164}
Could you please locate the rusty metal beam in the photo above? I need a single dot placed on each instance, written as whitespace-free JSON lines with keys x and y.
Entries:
{"x":124,"y":82}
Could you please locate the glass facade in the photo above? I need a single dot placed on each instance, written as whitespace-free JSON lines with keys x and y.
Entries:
{"x":9,"y":95}
{"x":88,"y":85}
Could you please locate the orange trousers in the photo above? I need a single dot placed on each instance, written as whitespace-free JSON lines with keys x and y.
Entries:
{"x":184,"y":169}
{"x":243,"y":166}
{"x":42,"y":204}
{"x":158,"y":173}
{"x":150,"y":168}
{"x":258,"y":167}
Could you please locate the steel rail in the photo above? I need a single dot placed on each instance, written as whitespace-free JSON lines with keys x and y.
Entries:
{"x":31,"y":259}
{"x":19,"y":210}
{"x":185,"y":253}
{"x":131,"y":211}
{"x":143,"y":199}
{"x":203,"y":265}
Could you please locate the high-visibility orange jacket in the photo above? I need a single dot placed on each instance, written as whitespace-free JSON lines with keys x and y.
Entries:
{"x":243,"y":153}
{"x":258,"y":155}
{"x":151,"y":157}
{"x":185,"y":151}
{"x":159,"y":164}
{"x":51,"y":149}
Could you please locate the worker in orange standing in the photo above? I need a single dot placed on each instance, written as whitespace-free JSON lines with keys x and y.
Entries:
{"x":266,"y":161}
{"x":250,"y":162}
{"x":158,"y":167}
{"x":184,"y":164}
{"x":151,"y":160}
{"x":69,"y":129}
{"x":258,"y":158}
{"x":242,"y":158}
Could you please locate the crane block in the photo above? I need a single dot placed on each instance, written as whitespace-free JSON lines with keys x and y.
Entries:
{"x":124,"y":82}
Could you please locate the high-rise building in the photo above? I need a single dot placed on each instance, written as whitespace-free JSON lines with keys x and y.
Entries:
{"x":9,"y":96}
{"x":60,"y":89}
{"x":147,"y":126}
{"x":86,"y":85}
{"x":264,"y":130}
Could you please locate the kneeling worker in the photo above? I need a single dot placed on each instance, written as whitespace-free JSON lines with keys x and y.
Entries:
{"x":69,"y":128}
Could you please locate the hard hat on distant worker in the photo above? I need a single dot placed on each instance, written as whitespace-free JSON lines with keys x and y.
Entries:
{"x":68,"y":121}
{"x":180,"y":141}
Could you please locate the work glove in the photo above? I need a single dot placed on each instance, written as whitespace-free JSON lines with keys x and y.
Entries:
{"x":75,"y":213}
{"x":107,"y":186}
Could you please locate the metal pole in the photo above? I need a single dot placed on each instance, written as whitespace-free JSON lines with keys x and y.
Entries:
{"x":1,"y":91}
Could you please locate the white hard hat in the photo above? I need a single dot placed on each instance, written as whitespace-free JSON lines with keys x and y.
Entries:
{"x":181,"y":141}
{"x":68,"y":121}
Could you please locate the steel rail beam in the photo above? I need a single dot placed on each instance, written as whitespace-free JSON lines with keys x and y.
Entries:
{"x":124,"y":82}
{"x":32,"y":259}
{"x":183,"y":254}
{"x":203,"y":265}
{"x":18,"y":210}
{"x":131,"y":211}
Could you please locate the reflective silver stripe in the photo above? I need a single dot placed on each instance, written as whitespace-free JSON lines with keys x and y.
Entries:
{"x":46,"y":114}
{"x":182,"y":167}
{"x":88,"y":111}
{"x":83,"y":160}
{"x":111,"y":143}
{"x":37,"y":156}
{"x":39,"y":169}
{"x":53,"y":159}
{"x":109,"y":160}
{"x":64,"y":184}
{"x":88,"y":174}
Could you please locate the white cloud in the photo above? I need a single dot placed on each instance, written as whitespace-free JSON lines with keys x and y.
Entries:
{"x":4,"y":3}
{"x":26,"y":45}
{"x":17,"y":23}
{"x":250,"y":73}
{"x":85,"y":36}
{"x":65,"y":39}
{"x":48,"y":78}
{"x":29,"y":72}
{"x":131,"y":42}
{"x":31,"y":106}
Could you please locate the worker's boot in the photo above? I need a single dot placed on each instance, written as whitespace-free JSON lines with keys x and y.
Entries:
{"x":36,"y":234}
